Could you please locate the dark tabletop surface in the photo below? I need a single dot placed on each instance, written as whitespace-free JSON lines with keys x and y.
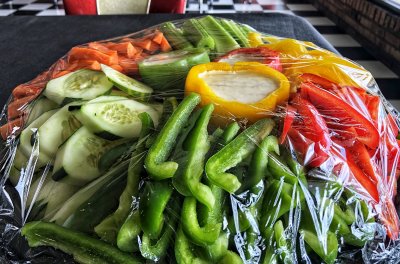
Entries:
{"x":29,"y":45}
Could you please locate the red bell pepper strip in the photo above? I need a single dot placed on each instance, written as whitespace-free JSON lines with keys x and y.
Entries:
{"x":340,"y":114}
{"x":260,"y":54}
{"x":360,"y":155}
{"x":287,"y":122}
{"x":373,"y":103}
{"x":312,"y":126}
{"x":318,"y":80}
{"x":307,"y":131}
{"x":329,"y":85}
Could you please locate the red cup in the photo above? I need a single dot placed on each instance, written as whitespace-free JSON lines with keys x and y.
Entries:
{"x":169,"y":6}
{"x":80,"y":7}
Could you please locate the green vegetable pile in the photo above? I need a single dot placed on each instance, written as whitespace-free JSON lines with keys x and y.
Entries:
{"x":194,"y":193}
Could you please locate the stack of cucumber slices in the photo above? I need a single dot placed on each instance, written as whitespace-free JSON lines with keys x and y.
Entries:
{"x":73,"y":131}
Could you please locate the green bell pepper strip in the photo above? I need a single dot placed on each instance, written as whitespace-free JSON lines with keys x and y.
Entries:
{"x":294,"y":166}
{"x":329,"y":254}
{"x":236,"y":151}
{"x":250,"y":247}
{"x":83,"y":248}
{"x":219,"y":248}
{"x":156,"y":251}
{"x":198,"y":145}
{"x":269,"y":256}
{"x":152,"y":204}
{"x":127,"y":239}
{"x":258,"y":165}
{"x":156,"y":162}
{"x":323,"y":242}
{"x":184,"y":250}
{"x":180,"y":155}
{"x":230,"y":133}
{"x":281,"y":241}
{"x":277,"y":201}
{"x":203,"y":225}
{"x":169,"y":106}
{"x":109,"y":227}
{"x":231,"y":258}
{"x":200,"y":235}
{"x":278,"y":169}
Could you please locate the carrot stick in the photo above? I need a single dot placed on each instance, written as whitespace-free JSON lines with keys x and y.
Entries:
{"x":13,"y":126}
{"x":158,"y":37}
{"x":24,"y":90}
{"x":117,"y":67}
{"x":129,"y":65}
{"x":100,"y":47}
{"x":81,"y":53}
{"x":17,"y":107}
{"x":164,"y":45}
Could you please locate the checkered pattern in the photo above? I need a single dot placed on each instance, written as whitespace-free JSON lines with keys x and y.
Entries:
{"x":32,"y":8}
{"x":388,"y":81}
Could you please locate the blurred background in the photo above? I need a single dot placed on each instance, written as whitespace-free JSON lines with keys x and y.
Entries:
{"x":366,"y":31}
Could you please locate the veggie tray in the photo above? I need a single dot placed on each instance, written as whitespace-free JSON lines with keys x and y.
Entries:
{"x":199,"y":141}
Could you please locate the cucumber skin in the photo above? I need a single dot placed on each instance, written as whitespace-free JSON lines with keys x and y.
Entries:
{"x":112,"y":155}
{"x":97,"y":207}
{"x":80,"y":197}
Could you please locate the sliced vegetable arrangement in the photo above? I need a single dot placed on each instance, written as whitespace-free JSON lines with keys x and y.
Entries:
{"x":202,"y":141}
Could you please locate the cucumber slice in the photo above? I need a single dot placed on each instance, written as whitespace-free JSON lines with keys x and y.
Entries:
{"x":115,"y":115}
{"x":20,"y":159}
{"x":77,"y":159}
{"x":14,"y":175}
{"x":115,"y":92}
{"x":80,"y":197}
{"x":29,"y":133}
{"x":54,"y":194}
{"x":51,"y":196}
{"x":127,"y":84}
{"x":81,"y":84}
{"x":56,"y":130}
{"x":40,"y":106}
{"x":110,"y":157}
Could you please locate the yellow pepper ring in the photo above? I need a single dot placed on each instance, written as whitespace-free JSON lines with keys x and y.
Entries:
{"x":235,"y":109}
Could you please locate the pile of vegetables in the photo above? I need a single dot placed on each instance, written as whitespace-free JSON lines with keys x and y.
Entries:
{"x":202,"y":143}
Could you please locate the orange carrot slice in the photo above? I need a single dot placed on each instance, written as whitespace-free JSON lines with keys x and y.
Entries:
{"x":99,"y":46}
{"x":24,"y":90}
{"x":164,"y":45}
{"x":13,"y":126}
{"x":158,"y":37}
{"x":17,"y":107}
{"x":117,"y":67}
{"x":81,"y":53}
{"x":129,"y":65}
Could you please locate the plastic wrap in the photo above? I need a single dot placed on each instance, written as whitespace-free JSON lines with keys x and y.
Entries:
{"x":224,"y":145}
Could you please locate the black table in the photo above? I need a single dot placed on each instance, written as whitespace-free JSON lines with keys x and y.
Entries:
{"x":29,"y":45}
